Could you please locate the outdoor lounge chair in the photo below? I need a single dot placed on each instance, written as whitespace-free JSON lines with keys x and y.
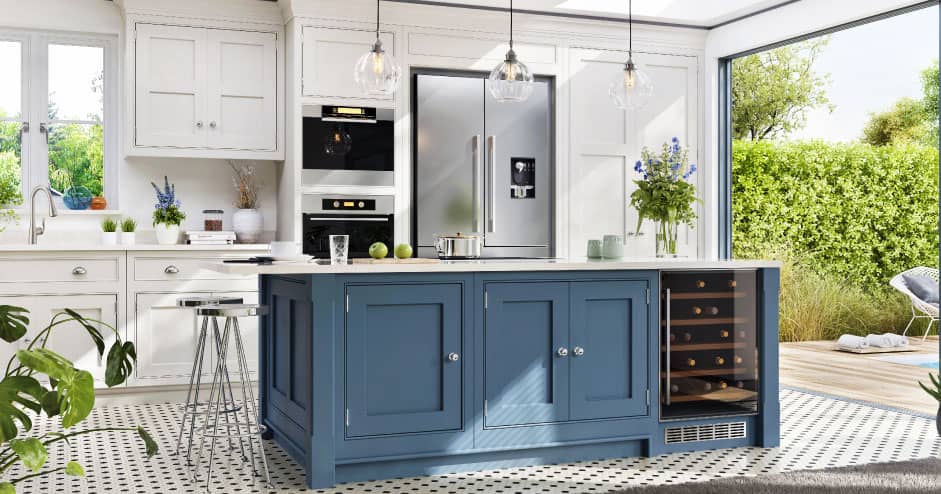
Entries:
{"x":920,"y":308}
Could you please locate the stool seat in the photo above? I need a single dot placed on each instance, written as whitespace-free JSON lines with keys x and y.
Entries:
{"x":204,"y":300}
{"x":232,"y":310}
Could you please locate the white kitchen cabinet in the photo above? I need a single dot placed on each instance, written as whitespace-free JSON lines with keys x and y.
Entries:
{"x":70,"y":340}
{"x":606,"y":142}
{"x":211,"y":91}
{"x":166,"y":337}
{"x":329,"y":56}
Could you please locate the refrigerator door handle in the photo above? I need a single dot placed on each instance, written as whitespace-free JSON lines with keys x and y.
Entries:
{"x":492,"y":157}
{"x":478,"y":186}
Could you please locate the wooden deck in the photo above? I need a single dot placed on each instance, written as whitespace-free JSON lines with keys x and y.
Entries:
{"x":815,"y":366}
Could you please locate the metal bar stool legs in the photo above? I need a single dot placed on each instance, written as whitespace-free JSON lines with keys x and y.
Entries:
{"x":243,"y":425}
{"x":191,"y":409}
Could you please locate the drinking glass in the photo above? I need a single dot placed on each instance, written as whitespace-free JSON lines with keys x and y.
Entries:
{"x":339,"y":245}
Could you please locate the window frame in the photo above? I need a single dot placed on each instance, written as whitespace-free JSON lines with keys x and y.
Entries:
{"x":34,"y":63}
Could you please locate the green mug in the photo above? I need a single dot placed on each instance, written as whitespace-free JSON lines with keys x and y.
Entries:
{"x":595,"y":250}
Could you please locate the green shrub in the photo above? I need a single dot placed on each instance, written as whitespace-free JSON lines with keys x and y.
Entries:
{"x":853,"y":213}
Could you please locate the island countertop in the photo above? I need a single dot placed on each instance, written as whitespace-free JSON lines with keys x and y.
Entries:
{"x":491,"y":265}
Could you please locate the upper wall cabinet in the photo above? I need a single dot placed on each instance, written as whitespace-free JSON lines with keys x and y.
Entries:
{"x":209,"y":93}
{"x":329,"y":56}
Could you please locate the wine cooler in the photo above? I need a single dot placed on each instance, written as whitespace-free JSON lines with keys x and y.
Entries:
{"x":708,"y":344}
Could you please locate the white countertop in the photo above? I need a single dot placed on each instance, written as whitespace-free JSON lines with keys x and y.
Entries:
{"x":485,"y":265}
{"x":85,"y":247}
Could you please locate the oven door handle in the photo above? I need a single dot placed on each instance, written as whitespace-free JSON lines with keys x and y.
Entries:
{"x":314,"y":218}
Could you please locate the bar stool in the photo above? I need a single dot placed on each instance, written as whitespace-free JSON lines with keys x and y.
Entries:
{"x":191,"y":409}
{"x":246,"y":427}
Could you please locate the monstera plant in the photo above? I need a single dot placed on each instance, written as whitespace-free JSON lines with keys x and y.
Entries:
{"x":38,"y":380}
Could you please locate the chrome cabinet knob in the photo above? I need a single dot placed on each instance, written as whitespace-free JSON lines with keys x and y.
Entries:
{"x":562,"y":351}
{"x":453,"y":357}
{"x":212,"y":124}
{"x":199,"y":124}
{"x":79,"y":271}
{"x":171,"y":269}
{"x":578,"y":351}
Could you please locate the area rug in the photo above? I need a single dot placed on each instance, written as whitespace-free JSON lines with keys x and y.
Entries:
{"x":906,"y":477}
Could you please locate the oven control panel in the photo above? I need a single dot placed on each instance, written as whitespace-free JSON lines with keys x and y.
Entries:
{"x":348,"y":204}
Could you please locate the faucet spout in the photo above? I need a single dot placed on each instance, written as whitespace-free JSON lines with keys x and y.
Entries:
{"x":34,"y":230}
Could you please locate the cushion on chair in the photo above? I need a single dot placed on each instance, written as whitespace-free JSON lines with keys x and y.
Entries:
{"x":925,"y":288}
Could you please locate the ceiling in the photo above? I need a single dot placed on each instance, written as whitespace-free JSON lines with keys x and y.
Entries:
{"x":699,"y":13}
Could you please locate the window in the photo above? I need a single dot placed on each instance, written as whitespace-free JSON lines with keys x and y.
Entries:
{"x":56,"y":104}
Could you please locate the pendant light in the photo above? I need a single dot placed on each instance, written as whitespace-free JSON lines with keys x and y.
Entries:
{"x":632,"y":88}
{"x":377,"y":73}
{"x":511,"y":81}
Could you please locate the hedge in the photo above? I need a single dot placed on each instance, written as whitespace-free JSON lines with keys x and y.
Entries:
{"x":858,"y":212}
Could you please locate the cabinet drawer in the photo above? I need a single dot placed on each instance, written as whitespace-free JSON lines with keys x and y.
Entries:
{"x":174,"y":268}
{"x":44,"y":269}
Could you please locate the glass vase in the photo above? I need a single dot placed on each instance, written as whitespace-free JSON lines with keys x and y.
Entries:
{"x":667,"y":232}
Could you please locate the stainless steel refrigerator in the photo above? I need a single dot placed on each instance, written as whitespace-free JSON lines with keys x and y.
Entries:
{"x":482,"y":166}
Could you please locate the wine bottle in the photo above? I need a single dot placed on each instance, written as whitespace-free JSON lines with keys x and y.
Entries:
{"x":690,"y":386}
{"x":722,"y":385}
{"x":700,"y":284}
{"x":719,"y":361}
{"x":713,"y":310}
{"x":697,"y":310}
{"x":687,"y":337}
{"x":690,"y":362}
{"x":724,"y":333}
{"x":738,"y":360}
{"x":672,"y":337}
{"x":732,"y":284}
{"x":741,"y":334}
{"x":740,"y":384}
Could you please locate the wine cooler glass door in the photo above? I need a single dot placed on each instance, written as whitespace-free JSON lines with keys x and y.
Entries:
{"x":709,"y":344}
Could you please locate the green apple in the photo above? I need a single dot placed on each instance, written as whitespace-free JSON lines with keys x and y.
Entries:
{"x":403,"y":251}
{"x":378,"y":250}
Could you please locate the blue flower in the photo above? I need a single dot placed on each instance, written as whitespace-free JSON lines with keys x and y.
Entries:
{"x":692,"y":168}
{"x":675,"y":140}
{"x":638,"y":166}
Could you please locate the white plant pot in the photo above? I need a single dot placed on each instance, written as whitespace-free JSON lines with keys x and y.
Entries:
{"x":167,"y":234}
{"x":109,"y":238}
{"x":128,"y":238}
{"x":247,"y":224}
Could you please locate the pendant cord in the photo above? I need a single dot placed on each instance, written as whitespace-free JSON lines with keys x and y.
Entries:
{"x":377,"y":19}
{"x":630,"y":28}
{"x":511,"y":24}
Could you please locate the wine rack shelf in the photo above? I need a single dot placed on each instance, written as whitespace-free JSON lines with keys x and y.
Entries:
{"x":742,"y":372}
{"x":707,"y":295}
{"x":695,"y":347}
{"x":705,"y":321}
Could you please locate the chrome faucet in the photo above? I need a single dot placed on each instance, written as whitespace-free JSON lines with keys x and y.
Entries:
{"x":36,"y":231}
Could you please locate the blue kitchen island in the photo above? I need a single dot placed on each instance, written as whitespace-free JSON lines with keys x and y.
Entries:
{"x":373,"y":371}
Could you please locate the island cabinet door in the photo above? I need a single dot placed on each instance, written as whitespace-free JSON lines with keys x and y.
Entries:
{"x":609,"y":348}
{"x":404,"y":359}
{"x":526,"y":353}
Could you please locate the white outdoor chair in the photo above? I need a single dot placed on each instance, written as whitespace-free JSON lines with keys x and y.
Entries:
{"x":928,"y":311}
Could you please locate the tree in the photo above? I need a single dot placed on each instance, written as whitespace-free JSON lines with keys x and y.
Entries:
{"x":929,"y":88}
{"x":905,"y":122}
{"x":772,"y":91}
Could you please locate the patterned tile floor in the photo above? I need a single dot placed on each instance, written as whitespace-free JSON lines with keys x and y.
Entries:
{"x":818,"y":432}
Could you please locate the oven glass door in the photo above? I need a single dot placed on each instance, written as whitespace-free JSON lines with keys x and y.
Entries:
{"x":363,"y":229}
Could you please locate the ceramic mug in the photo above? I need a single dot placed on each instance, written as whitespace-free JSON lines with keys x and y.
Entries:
{"x":594,"y":249}
{"x":613,"y":247}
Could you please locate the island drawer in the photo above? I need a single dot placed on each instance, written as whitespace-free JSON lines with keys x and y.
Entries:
{"x":177,"y":268}
{"x":31,"y":270}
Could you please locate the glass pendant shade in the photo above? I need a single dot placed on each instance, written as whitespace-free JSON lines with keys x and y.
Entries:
{"x":511,"y":81}
{"x":631,"y":89}
{"x":377,"y":73}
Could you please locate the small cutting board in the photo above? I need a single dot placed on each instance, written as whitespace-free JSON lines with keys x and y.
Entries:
{"x":874,"y":349}
{"x":410,"y":260}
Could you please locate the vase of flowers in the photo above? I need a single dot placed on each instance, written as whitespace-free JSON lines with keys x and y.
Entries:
{"x":664,"y":194}
{"x":247,"y":221}
{"x":167,"y":214}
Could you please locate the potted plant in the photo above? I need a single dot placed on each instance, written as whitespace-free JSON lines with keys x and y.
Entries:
{"x":663,"y":195}
{"x":75,"y":197}
{"x":109,"y":232}
{"x":38,"y":380}
{"x":935,"y":392}
{"x":167,"y":214}
{"x":128,"y":225}
{"x":247,"y":220}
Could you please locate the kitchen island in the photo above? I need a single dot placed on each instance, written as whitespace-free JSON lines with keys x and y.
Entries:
{"x":372,"y":371}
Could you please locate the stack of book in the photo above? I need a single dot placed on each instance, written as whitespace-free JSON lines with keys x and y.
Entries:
{"x":210,"y":238}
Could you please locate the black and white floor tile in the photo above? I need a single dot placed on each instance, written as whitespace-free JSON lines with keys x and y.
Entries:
{"x":818,"y":432}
